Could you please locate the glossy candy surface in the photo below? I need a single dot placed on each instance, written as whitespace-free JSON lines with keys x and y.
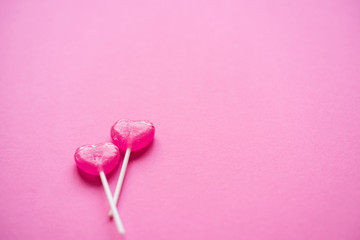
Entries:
{"x":132,"y":134}
{"x":97,"y":157}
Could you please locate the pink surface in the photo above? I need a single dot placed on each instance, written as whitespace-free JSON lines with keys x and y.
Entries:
{"x":255,"y":103}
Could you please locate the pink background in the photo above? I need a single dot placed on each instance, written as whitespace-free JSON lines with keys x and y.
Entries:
{"x":256,"y":106}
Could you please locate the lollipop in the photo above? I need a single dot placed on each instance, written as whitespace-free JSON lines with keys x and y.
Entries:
{"x":130,"y":136}
{"x":100,"y":159}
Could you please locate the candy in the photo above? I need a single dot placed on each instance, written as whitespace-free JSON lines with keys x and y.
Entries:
{"x":132,"y":134}
{"x":98,"y":159}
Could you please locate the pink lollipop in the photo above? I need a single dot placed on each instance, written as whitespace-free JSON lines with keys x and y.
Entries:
{"x":100,"y":159}
{"x":130,"y":136}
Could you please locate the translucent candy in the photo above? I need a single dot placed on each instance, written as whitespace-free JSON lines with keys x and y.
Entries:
{"x":97,"y":157}
{"x":132,"y":134}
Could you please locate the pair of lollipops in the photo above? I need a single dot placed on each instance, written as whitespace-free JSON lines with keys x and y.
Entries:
{"x":100,"y":159}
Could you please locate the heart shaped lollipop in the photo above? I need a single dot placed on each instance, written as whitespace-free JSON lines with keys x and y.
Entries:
{"x":132,"y":134}
{"x":98,"y":159}
{"x":129,"y":136}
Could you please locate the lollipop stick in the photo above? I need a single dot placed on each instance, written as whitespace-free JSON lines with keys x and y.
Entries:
{"x":121,"y":178}
{"x":118,"y":223}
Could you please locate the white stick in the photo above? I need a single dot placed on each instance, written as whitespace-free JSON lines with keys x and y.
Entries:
{"x":121,"y":178}
{"x":118,"y":222}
